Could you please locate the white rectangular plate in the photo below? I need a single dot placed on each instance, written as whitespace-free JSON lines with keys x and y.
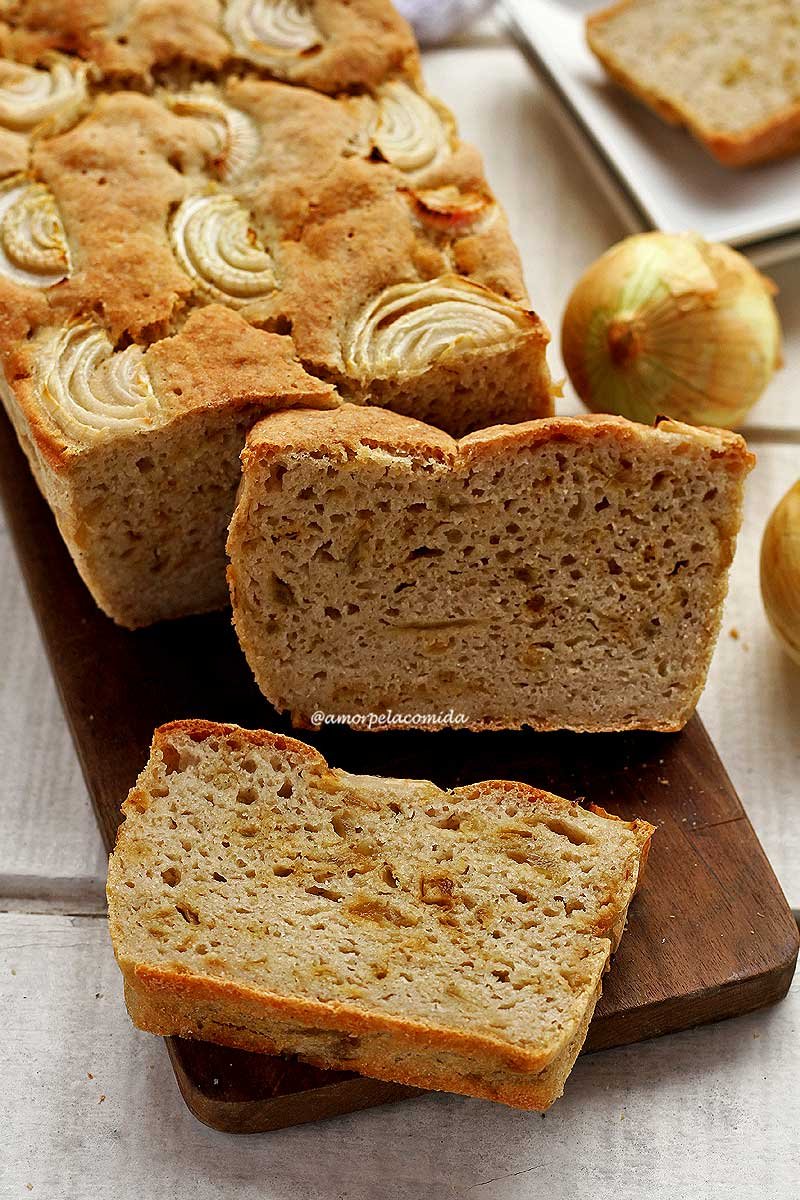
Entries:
{"x":668,"y":180}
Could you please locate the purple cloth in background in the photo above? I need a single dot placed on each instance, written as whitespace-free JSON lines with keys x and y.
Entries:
{"x":435,"y":21}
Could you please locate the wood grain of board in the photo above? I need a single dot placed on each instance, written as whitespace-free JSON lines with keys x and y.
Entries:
{"x":710,"y":933}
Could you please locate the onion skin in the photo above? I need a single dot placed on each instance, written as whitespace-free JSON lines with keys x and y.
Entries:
{"x":780,"y":571}
{"x":667,"y":324}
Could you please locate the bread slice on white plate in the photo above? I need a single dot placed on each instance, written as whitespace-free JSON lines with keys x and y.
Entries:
{"x":562,"y":573}
{"x":447,"y":940}
{"x":729,"y":70}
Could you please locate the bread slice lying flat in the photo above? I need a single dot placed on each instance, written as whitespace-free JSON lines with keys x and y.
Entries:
{"x":448,"y":940}
{"x":727,"y":69}
{"x":563,"y":573}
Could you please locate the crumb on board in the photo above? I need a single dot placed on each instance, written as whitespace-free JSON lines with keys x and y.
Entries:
{"x":734,"y":633}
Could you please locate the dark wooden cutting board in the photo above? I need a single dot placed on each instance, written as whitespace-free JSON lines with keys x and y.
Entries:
{"x":710,"y":933}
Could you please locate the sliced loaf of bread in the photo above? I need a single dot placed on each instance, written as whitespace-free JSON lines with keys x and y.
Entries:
{"x":729,"y":70}
{"x":448,"y":940}
{"x":563,"y":573}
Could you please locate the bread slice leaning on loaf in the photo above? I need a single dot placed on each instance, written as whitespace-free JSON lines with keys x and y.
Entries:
{"x":729,"y":70}
{"x":563,"y":573}
{"x":447,"y":940}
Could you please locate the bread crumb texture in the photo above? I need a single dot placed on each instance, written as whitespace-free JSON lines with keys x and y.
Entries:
{"x":727,"y":69}
{"x":443,"y":939}
{"x":566,"y":573}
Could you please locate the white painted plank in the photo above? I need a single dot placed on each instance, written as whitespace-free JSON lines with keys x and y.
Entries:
{"x":751,"y":705}
{"x":708,"y":1113}
{"x":559,"y":219}
{"x":47,"y":829}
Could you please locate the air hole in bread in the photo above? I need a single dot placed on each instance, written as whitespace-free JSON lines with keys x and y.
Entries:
{"x":326,"y":893}
{"x":282,"y":592}
{"x":340,"y":825}
{"x":388,"y":876}
{"x":246,"y":795}
{"x":278,"y":324}
{"x":517,"y":856}
{"x":189,"y":914}
{"x":171,"y":876}
{"x":171,"y":757}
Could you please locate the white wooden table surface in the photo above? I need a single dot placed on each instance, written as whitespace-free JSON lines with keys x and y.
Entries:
{"x":91,"y":1108}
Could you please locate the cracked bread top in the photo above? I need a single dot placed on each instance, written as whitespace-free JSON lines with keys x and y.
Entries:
{"x":324,"y":218}
{"x":76,"y":391}
{"x":324,"y":44}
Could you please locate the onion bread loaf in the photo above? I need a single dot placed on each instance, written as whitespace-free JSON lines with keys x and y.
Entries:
{"x":151,"y":168}
{"x":563,"y":573}
{"x":137,"y":450}
{"x":729,"y":70}
{"x":449,"y":940}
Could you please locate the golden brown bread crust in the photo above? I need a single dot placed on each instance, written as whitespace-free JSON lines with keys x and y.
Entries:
{"x":156,"y":1005}
{"x":111,"y":172}
{"x":350,"y":426}
{"x":777,"y":137}
{"x":360,"y":43}
{"x":340,"y":225}
{"x":172,"y":1001}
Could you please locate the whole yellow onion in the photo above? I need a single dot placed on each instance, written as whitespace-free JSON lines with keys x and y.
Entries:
{"x":671,"y":325}
{"x":780,"y":571}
